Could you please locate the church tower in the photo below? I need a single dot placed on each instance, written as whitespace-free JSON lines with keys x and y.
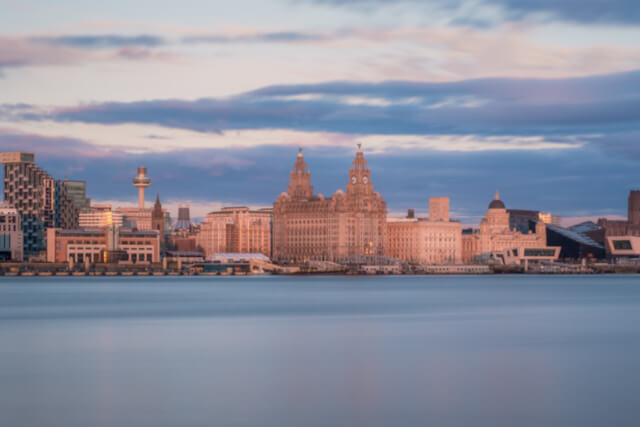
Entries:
{"x":157,"y":219}
{"x":300,"y":179}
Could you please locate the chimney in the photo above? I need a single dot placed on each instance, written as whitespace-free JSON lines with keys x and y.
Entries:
{"x":411,"y":213}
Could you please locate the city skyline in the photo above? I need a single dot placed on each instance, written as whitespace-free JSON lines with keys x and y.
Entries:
{"x":453,"y":98}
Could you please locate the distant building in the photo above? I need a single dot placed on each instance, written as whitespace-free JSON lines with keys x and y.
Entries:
{"x":308,"y":227}
{"x":41,"y":201}
{"x":435,"y":240}
{"x":141,"y":218}
{"x":623,"y":248}
{"x":93,"y":245}
{"x":523,"y":220}
{"x":549,"y":218}
{"x":630,"y":227}
{"x":496,"y":239}
{"x":98,"y":216}
{"x":11,"y":245}
{"x":236,"y":229}
{"x":184,"y":236}
{"x":184,"y":219}
{"x":439,"y":209}
{"x":158,"y":220}
{"x":575,"y":245}
{"x":622,"y":233}
{"x":77,"y":191}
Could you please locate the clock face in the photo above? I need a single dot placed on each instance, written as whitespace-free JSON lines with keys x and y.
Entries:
{"x":365,"y":180}
{"x":354,"y":179}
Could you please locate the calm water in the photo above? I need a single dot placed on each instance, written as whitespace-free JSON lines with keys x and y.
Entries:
{"x":320,"y":351}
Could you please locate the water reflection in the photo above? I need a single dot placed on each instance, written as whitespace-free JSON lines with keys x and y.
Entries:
{"x":382,"y":351}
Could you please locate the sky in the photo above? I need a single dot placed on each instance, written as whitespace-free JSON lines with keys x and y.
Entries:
{"x":539,"y":99}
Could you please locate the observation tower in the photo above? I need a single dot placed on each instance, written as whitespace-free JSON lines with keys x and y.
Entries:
{"x":141,"y":181}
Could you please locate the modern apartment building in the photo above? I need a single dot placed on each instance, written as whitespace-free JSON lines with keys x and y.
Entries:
{"x":41,"y":201}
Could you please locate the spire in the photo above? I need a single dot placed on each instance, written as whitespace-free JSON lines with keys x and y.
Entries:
{"x":496,"y":196}
{"x":157,"y":207}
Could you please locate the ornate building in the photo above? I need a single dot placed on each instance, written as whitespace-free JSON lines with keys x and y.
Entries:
{"x":236,"y":229}
{"x":497,"y":237}
{"x":313,"y":227}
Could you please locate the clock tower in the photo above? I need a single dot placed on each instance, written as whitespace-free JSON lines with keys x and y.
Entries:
{"x":359,"y":176}
{"x":300,"y":179}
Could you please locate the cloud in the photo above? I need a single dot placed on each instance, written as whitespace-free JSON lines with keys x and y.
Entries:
{"x":269,"y":37}
{"x":473,"y":12}
{"x":484,"y":107}
{"x":106,"y":41}
{"x":17,"y":52}
{"x":406,"y":178}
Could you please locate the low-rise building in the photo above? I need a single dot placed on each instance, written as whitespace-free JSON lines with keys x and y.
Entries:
{"x":100,"y":215}
{"x":11,"y":245}
{"x":496,"y":239}
{"x":94,"y":245}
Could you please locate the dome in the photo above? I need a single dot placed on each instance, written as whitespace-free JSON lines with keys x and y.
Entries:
{"x":496,"y":203}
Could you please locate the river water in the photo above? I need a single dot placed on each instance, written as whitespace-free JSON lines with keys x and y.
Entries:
{"x":320,"y":351}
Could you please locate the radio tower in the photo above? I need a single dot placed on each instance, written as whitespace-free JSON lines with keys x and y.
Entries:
{"x":141,"y":181}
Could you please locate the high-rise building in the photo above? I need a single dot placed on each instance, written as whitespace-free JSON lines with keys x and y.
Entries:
{"x":236,"y":229}
{"x":77,"y":191}
{"x":11,"y":245}
{"x":41,"y":201}
{"x":311,"y":227}
{"x":435,"y":240}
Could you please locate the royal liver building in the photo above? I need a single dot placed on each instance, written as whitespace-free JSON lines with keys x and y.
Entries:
{"x":313,"y":227}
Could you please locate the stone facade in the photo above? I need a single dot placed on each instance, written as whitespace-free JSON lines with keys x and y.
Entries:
{"x":236,"y":229}
{"x":424,"y":242}
{"x":496,"y":235}
{"x":312,"y":227}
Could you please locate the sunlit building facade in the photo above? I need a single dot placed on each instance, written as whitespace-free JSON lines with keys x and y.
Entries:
{"x":236,"y":229}
{"x":41,"y":200}
{"x":496,"y":237}
{"x":433,"y":240}
{"x":307,"y":226}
